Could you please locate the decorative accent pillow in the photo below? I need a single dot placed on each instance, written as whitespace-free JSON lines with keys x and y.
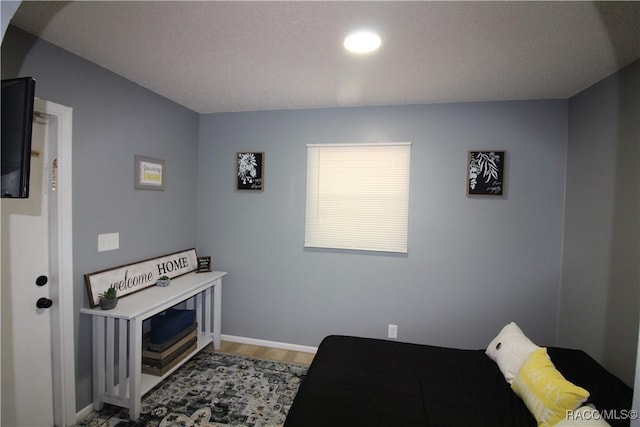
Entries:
{"x":547,"y":394}
{"x":510,"y":349}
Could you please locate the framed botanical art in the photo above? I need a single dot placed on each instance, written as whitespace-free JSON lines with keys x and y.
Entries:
{"x":250,"y":171}
{"x":485,"y":173}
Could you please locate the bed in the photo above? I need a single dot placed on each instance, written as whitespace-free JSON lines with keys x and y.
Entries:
{"x":355,"y":381}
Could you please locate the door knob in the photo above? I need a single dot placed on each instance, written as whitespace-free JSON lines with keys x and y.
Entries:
{"x":42,"y":280}
{"x":44,"y":303}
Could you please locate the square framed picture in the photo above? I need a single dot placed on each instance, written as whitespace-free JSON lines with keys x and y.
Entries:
{"x":485,"y":173}
{"x":149,"y":173}
{"x":204,"y":264}
{"x":250,"y":171}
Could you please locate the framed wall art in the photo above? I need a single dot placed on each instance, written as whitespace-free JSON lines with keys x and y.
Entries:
{"x":485,"y":173}
{"x":149,"y":173}
{"x":250,"y":171}
{"x":204,"y":264}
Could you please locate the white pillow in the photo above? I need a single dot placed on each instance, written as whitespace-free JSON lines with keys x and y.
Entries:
{"x":509,"y":349}
{"x":584,"y":416}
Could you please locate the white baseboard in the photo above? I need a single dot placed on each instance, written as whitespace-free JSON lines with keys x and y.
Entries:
{"x":265,"y":343}
{"x":85,"y":412}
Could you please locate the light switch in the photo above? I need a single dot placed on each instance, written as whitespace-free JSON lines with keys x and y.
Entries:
{"x":108,"y":242}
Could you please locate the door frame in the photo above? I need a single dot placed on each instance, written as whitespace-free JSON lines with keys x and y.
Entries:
{"x":61,"y":247}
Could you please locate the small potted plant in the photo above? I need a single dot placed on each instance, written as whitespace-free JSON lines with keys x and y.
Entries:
{"x":109,"y":298}
{"x":163,"y":281}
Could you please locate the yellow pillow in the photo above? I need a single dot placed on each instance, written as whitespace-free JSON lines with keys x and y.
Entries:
{"x":547,"y":394}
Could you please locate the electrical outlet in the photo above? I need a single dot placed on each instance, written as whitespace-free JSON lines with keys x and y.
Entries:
{"x":393,"y":331}
{"x":108,"y":242}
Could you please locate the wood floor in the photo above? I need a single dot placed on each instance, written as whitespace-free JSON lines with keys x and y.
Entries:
{"x":269,"y":353}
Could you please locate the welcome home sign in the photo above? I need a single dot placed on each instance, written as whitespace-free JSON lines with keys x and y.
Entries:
{"x":135,"y":277}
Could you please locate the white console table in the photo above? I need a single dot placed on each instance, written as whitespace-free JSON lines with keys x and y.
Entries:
{"x":111,"y":362}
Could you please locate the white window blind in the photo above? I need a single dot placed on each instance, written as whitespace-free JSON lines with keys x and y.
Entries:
{"x":358,"y":196}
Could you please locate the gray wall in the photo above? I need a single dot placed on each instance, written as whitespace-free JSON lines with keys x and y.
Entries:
{"x":473,"y":265}
{"x":601,"y":266}
{"x":8,"y":8}
{"x":113,"y":119}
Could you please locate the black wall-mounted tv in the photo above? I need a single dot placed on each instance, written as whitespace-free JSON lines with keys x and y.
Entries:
{"x":17,"y":118}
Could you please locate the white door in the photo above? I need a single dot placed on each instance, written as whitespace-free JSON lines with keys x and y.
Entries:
{"x":27,"y":385}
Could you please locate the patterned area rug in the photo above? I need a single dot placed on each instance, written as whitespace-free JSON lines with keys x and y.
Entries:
{"x":214,"y":389}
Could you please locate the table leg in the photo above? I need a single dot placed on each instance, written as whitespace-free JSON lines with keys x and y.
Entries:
{"x":207,"y":313}
{"x":135,"y":367}
{"x":99,"y":362}
{"x":122,"y":359}
{"x":217,"y":314}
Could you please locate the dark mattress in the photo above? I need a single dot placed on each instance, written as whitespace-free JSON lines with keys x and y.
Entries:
{"x":371,"y":382}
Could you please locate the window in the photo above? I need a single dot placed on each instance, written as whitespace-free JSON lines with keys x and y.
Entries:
{"x":358,"y":196}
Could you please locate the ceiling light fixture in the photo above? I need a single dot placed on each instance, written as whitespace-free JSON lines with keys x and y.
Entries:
{"x":362,"y":42}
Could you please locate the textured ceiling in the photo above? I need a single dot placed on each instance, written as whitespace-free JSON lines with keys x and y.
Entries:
{"x":213,"y":56}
